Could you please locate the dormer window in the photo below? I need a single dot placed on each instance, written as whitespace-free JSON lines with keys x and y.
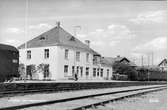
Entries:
{"x":42,"y":38}
{"x":72,"y":38}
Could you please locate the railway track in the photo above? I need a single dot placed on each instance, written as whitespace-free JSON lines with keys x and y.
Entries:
{"x":88,"y":101}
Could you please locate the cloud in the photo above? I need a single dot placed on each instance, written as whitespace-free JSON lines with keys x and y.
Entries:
{"x":40,"y":26}
{"x":14,"y":30}
{"x":12,"y":42}
{"x":81,"y":36}
{"x":111,"y":36}
{"x":113,"y":43}
{"x":150,"y":17}
{"x":157,"y":44}
{"x":97,"y":43}
{"x":120,"y":32}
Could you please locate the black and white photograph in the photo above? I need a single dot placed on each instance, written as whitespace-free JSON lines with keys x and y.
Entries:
{"x":83,"y":55}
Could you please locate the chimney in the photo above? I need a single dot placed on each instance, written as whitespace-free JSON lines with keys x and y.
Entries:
{"x":87,"y":42}
{"x":58,"y":24}
{"x":118,"y":56}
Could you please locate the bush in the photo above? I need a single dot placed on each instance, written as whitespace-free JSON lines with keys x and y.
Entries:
{"x":125,"y":69}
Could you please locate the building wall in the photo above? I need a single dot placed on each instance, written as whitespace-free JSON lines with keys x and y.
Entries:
{"x":37,"y":57}
{"x":71,"y":61}
{"x":57,"y":62}
{"x":163,"y":66}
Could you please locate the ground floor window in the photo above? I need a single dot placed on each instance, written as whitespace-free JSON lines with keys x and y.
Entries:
{"x":30,"y":71}
{"x":46,"y":71}
{"x":94,"y":72}
{"x":81,"y":71}
{"x":108,"y":71}
{"x":87,"y":71}
{"x":97,"y":71}
{"x":73,"y":70}
{"x":65,"y":70}
{"x":101,"y":73}
{"x":77,"y":69}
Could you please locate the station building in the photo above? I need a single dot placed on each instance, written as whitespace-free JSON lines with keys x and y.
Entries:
{"x":57,"y":55}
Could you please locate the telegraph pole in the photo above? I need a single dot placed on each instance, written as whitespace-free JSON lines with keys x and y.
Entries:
{"x":26,"y":35}
{"x":148,"y":60}
{"x":152,"y":54}
{"x":141,"y":60}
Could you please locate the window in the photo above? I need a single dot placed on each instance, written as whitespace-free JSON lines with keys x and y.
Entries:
{"x":81,"y":70}
{"x":77,"y":56}
{"x":65,"y":68}
{"x":108,"y":73}
{"x":101,"y":73}
{"x":46,"y":54}
{"x":46,"y":71}
{"x":77,"y":69}
{"x":87,"y":71}
{"x":73,"y":69}
{"x":66,"y":53}
{"x":87,"y":57}
{"x":98,"y":72}
{"x":72,"y":38}
{"x":28,"y":54}
{"x":94,"y":72}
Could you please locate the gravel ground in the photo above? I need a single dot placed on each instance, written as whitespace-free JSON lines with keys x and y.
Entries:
{"x":150,"y":101}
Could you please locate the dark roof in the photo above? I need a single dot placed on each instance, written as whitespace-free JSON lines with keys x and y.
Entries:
{"x":57,"y":36}
{"x":105,"y":62}
{"x":7,"y":47}
{"x":119,"y":59}
{"x":163,"y":61}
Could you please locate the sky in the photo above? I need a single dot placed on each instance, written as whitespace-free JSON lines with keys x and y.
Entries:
{"x":127,"y":28}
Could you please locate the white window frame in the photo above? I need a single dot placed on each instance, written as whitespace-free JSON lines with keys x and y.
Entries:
{"x":66,"y":53}
{"x":28,"y":54}
{"x":46,"y":53}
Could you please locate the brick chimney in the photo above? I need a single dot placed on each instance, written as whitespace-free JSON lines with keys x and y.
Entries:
{"x":87,"y":42}
{"x":58,"y":23}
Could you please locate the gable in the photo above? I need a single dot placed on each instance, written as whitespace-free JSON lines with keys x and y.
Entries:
{"x":125,"y":61}
{"x":163,"y":62}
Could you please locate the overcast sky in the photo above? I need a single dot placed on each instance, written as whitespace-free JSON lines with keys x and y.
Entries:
{"x":127,"y":28}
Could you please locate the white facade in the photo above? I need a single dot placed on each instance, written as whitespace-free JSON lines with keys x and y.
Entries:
{"x":58,"y":63}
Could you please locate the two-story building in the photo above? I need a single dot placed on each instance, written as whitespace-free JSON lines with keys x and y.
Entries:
{"x":61,"y":55}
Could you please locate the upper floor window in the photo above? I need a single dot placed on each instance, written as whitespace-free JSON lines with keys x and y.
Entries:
{"x":28,"y":54}
{"x":66,"y":54}
{"x":46,"y":54}
{"x":77,"y":56}
{"x":87,"y":57}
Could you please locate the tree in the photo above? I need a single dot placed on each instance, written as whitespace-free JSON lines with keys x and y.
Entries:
{"x":44,"y":69}
{"x":125,"y":69}
{"x":33,"y":71}
{"x":21,"y":70}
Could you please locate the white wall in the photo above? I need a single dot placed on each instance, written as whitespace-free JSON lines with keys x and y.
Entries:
{"x":37,"y":57}
{"x":57,"y":61}
{"x":72,"y":61}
